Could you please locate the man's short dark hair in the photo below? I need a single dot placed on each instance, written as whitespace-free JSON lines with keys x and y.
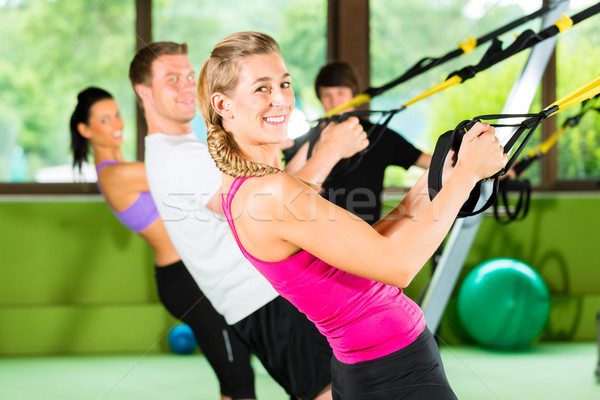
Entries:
{"x":337,"y":74}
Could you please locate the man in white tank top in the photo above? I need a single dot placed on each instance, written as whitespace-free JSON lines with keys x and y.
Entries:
{"x":186,"y":187}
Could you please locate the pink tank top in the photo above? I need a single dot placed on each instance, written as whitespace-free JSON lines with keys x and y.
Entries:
{"x":362,"y":319}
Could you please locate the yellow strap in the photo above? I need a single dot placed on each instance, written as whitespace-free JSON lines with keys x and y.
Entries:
{"x":547,"y":145}
{"x":356,"y":101}
{"x":564,"y":24}
{"x":363,"y":98}
{"x":544,"y":147}
{"x":468,"y":46}
{"x":580,"y":94}
{"x":453,"y":80}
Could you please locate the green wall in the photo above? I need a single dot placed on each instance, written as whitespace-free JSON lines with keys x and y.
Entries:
{"x":75,"y":281}
{"x":559,"y":238}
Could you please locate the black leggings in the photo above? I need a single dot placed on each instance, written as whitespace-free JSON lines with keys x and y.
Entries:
{"x":229,"y":358}
{"x":412,"y":373}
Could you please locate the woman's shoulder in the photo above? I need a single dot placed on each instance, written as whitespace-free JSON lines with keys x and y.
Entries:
{"x":121,"y":168}
{"x":123,"y":177}
{"x":269,"y":188}
{"x":279,"y":182}
{"x":254,"y":184}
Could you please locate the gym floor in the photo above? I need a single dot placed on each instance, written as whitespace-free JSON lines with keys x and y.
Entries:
{"x":545,"y":371}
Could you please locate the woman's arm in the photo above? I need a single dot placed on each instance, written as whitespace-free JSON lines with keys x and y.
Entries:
{"x":281,"y":215}
{"x":127,"y":177}
{"x":414,"y":201}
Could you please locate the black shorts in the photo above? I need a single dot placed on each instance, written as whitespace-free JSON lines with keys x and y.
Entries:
{"x":289,"y":346}
{"x":414,"y":372}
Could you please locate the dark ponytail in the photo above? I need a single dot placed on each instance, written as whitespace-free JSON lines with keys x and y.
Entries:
{"x":85,"y":100}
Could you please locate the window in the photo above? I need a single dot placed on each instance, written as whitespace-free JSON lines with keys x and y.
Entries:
{"x":578,"y":58}
{"x":401,"y":36}
{"x":52,"y":50}
{"x":56,"y":48}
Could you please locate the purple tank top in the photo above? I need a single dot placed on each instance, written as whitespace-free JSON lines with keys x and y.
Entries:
{"x":140,"y":214}
{"x":362,"y":319}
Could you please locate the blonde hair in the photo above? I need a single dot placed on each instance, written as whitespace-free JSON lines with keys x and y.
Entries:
{"x":220,"y":74}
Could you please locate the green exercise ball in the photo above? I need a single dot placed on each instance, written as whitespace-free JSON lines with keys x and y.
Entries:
{"x":503,"y":304}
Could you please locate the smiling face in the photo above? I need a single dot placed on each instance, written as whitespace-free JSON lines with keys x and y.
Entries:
{"x":105,"y":125}
{"x":258,"y":111}
{"x":169,"y":102}
{"x":173,"y":86}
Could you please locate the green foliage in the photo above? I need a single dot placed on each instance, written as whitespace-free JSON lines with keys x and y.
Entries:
{"x":579,"y":148}
{"x":304,"y":45}
{"x":57,"y":48}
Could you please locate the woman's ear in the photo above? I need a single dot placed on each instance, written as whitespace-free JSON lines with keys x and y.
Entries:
{"x":84,"y":130}
{"x":221,"y":104}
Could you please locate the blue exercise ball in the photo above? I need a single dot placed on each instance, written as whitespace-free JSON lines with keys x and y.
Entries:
{"x":182,"y":340}
{"x":503,"y":304}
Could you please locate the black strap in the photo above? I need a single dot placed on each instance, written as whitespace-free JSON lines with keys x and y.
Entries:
{"x":453,"y":139}
{"x":443,"y":146}
{"x":522,"y":187}
{"x":586,"y":106}
{"x":525,"y":40}
{"x":520,"y":166}
{"x":521,"y":208}
{"x":427,"y":63}
{"x":527,"y":160}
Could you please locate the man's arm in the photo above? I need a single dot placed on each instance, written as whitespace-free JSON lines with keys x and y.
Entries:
{"x":337,"y":141}
{"x":214,"y":204}
{"x":423,"y":161}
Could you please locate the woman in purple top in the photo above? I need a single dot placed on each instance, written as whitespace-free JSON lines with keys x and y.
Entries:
{"x":343,"y":273}
{"x":96,"y":122}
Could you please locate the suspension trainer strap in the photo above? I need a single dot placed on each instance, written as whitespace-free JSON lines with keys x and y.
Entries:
{"x":523,"y":189}
{"x":453,"y":139}
{"x":523,"y":133}
{"x":445,"y":143}
{"x":540,"y":150}
{"x":495,"y":54}
{"x":427,"y":63}
{"x":582,"y":93}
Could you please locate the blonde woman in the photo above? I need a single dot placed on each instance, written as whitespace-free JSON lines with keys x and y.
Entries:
{"x":345,"y":275}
